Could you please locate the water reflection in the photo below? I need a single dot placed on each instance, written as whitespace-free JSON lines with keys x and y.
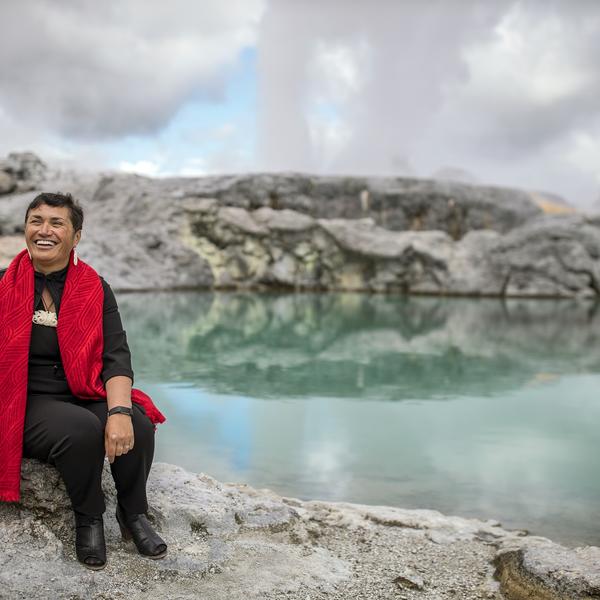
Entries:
{"x":359,"y":346}
{"x":479,"y":408}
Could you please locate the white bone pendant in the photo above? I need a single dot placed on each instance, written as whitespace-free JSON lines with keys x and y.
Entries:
{"x":44,"y":317}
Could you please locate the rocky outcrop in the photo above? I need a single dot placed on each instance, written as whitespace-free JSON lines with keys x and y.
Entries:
{"x":21,"y":172}
{"x":551,"y":256}
{"x":7,"y":183}
{"x":397,"y":204}
{"x":231,"y":542}
{"x":324,"y":233}
{"x":542,"y":570}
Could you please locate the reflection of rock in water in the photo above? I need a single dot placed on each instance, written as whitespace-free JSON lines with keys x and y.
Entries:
{"x":357,"y":345}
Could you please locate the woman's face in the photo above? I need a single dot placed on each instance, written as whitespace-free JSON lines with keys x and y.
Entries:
{"x":50,"y":237}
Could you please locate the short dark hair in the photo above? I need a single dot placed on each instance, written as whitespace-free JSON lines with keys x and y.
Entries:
{"x":75,"y":210}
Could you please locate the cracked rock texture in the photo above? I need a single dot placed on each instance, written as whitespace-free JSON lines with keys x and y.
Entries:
{"x":231,"y":542}
{"x":298,"y":231}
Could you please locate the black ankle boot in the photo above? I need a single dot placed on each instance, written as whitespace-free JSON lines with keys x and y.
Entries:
{"x":137,"y":526}
{"x":89,"y":541}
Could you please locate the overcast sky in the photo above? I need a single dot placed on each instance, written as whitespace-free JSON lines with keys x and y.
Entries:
{"x":500,"y":92}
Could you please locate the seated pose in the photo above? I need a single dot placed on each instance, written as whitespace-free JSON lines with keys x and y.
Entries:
{"x":66,"y":394}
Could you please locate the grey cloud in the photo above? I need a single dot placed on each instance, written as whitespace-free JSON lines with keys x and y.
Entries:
{"x":420,"y":109}
{"x":513,"y":123}
{"x":92,"y":70}
{"x":415,"y":50}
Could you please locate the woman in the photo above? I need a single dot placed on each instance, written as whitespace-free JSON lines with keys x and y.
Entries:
{"x":66,"y":394}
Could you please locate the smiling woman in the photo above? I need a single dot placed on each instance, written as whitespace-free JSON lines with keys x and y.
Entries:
{"x":51,"y":234}
{"x":66,"y":395}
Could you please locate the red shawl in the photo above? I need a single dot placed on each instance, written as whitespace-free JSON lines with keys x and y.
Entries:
{"x":80,"y":340}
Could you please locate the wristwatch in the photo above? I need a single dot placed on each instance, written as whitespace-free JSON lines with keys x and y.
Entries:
{"x":121,"y":410}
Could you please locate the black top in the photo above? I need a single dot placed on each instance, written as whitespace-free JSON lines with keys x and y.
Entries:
{"x":46,"y":373}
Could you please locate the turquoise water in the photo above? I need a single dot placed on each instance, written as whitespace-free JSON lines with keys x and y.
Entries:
{"x":481,"y":408}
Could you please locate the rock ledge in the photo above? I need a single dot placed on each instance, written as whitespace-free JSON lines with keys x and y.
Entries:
{"x":230,"y":541}
{"x":302,"y":232}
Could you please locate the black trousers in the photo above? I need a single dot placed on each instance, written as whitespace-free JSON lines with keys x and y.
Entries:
{"x":69,"y":434}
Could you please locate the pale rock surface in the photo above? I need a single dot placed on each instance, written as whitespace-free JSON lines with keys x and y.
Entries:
{"x":232,"y":542}
{"x":304,"y":232}
{"x":540,"y":569}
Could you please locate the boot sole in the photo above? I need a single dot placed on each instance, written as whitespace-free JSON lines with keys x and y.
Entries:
{"x":93,"y":567}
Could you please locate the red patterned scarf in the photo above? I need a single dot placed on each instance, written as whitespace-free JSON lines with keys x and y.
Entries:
{"x":81,"y":344}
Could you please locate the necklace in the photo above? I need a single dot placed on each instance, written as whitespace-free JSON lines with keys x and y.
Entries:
{"x":46,"y":317}
{"x":47,"y":306}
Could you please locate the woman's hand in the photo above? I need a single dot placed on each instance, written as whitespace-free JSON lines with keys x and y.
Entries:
{"x":118,"y":436}
{"x":118,"y":433}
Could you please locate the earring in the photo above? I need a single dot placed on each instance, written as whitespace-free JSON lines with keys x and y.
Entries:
{"x":28,"y":253}
{"x":75,"y":259}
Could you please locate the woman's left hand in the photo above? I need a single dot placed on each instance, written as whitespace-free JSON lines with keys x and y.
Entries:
{"x":118,"y":436}
{"x":118,"y":433}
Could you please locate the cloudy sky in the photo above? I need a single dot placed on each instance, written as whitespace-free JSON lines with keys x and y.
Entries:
{"x":500,"y":92}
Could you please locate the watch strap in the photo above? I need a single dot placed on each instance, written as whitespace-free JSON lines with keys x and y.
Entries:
{"x":125,"y":410}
